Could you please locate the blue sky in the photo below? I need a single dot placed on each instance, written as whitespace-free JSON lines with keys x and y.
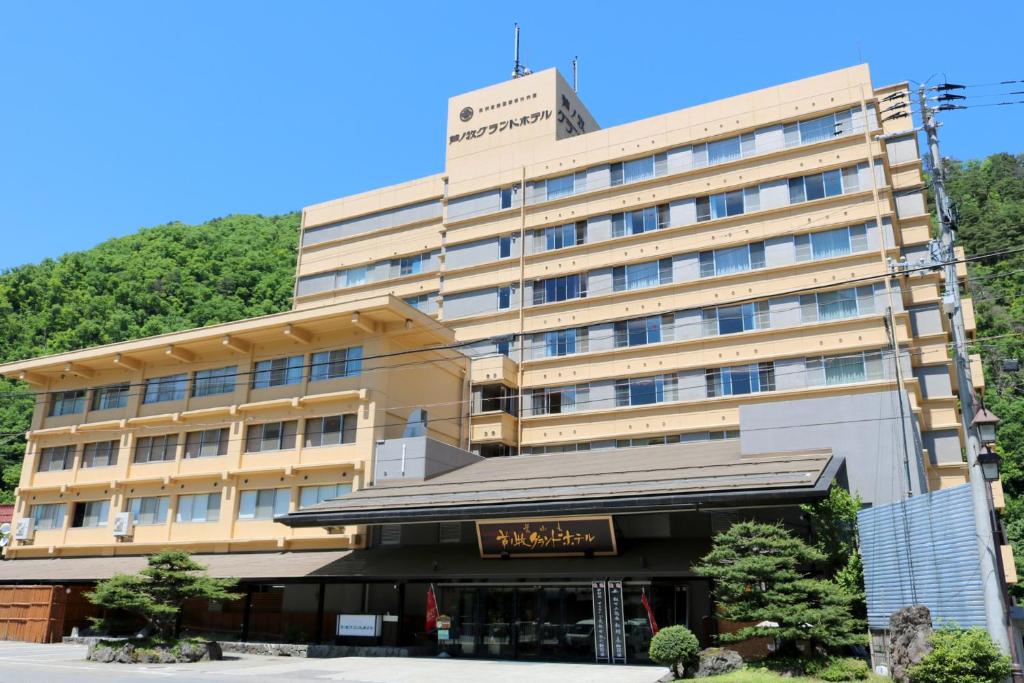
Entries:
{"x":119,"y":115}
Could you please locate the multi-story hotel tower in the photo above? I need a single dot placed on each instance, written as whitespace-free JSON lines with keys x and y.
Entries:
{"x":708,"y":314}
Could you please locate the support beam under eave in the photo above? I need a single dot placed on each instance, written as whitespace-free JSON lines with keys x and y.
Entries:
{"x":298,"y":334}
{"x":235,"y":344}
{"x":127,"y":362}
{"x":32,"y":378}
{"x":80,"y":370}
{"x":364,"y":323}
{"x":177,"y":353}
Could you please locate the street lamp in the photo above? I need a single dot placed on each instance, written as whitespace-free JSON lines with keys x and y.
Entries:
{"x":985,"y":422}
{"x":988,"y":460}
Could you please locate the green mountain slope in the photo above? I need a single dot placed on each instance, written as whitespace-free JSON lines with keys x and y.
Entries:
{"x":161,"y":279}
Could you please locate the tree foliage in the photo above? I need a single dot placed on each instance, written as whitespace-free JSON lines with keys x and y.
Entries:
{"x":989,"y":197}
{"x":157,"y":592}
{"x":158,"y":280}
{"x":762,"y":573}
{"x":962,"y":656}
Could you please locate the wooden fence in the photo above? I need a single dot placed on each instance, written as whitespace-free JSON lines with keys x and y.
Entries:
{"x":33,"y":614}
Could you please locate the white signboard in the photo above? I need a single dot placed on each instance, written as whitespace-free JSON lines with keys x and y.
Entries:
{"x":365,"y":625}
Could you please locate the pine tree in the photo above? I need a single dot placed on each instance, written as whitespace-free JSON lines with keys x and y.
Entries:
{"x":760,"y":574}
{"x":157,"y":592}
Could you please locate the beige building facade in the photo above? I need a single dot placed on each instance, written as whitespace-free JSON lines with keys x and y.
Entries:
{"x":201,"y":437}
{"x":658,"y":281}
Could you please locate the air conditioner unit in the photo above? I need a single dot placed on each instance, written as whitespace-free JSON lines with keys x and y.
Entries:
{"x":24,"y":530}
{"x":122,"y":524}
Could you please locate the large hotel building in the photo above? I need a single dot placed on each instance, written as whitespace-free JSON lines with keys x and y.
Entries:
{"x":538,"y":381}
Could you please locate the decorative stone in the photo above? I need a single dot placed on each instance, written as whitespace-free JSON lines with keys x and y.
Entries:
{"x":127,"y":653}
{"x":909,"y":630}
{"x":715,"y":661}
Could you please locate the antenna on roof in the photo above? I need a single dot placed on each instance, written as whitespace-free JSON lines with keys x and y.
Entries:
{"x":519,"y":70}
{"x":575,"y":74}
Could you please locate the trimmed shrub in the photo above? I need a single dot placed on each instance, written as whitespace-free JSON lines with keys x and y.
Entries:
{"x":844,"y":669}
{"x":674,"y":647}
{"x":961,"y":656}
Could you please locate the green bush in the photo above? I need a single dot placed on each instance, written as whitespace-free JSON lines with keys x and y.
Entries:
{"x":674,"y":647}
{"x":962,"y":656}
{"x":843,"y":669}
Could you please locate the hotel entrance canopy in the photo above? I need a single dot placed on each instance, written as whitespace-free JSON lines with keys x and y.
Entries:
{"x":617,"y":481}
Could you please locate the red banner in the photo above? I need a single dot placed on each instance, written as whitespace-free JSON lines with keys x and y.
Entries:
{"x":431,"y":622}
{"x":650,"y":612}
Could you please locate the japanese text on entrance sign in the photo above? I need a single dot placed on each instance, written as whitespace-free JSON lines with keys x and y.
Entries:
{"x":546,"y":537}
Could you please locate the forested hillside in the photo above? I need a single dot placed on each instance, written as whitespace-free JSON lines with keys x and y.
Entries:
{"x":989,"y":196}
{"x":161,"y":279}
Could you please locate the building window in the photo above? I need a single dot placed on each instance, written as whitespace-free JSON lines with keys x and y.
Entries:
{"x":565,"y":342}
{"x":311,"y":495}
{"x":733,"y":319}
{"x":110,"y":397}
{"x":637,"y":222}
{"x":639,"y":391}
{"x":101,"y":454}
{"x":503,"y":346}
{"x":263,"y":503}
{"x":56,"y":458}
{"x":734,"y":260}
{"x":48,"y":516}
{"x":206,"y":444}
{"x":156,"y":448}
{"x":641,"y":275}
{"x":411,"y":265}
{"x":216,"y":381}
{"x":636,"y":170}
{"x":742,"y":379}
{"x":337,"y":363}
{"x":723,"y":151}
{"x":837,"y":305}
{"x":169,"y":388}
{"x":566,"y":186}
{"x":423,"y":302}
{"x":641,"y":331}
{"x":93,"y":513}
{"x":352,"y":277}
{"x":151,"y":510}
{"x":331,"y":430}
{"x":271,"y":436}
{"x":831,"y":243}
{"x":505,"y":246}
{"x":560,"y":236}
{"x":557,"y":400}
{"x":507,"y":193}
{"x":67,"y":402}
{"x":846,"y":369}
{"x":559,"y":289}
{"x":277,"y":372}
{"x":816,"y":186}
{"x":199,"y":507}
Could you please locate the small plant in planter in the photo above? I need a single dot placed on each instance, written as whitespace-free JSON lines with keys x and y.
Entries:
{"x":156,"y":594}
{"x":674,"y":647}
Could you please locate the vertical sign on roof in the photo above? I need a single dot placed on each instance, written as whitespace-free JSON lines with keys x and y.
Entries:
{"x":600,"y":593}
{"x":617,"y":622}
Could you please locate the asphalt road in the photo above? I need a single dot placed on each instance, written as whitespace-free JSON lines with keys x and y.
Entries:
{"x":31,"y":663}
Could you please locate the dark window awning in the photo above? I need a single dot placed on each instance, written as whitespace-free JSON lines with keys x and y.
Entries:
{"x":627,"y":480}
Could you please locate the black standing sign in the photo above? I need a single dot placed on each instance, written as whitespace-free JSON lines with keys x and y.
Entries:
{"x":618,"y":622}
{"x":599,"y":589}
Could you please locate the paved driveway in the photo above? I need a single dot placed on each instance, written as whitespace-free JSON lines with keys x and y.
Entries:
{"x":21,"y":662}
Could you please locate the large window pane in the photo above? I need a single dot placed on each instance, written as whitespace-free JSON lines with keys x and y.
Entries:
{"x":830,"y":243}
{"x":170,"y":388}
{"x":215,"y":381}
{"x":733,"y":260}
{"x":724,"y":150}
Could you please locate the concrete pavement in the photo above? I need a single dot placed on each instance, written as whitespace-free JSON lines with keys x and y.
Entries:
{"x":21,"y":662}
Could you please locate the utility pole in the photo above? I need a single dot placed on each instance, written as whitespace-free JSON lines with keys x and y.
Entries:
{"x":996,"y":611}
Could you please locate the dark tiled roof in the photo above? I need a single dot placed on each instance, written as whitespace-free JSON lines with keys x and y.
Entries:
{"x":698,"y":469}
